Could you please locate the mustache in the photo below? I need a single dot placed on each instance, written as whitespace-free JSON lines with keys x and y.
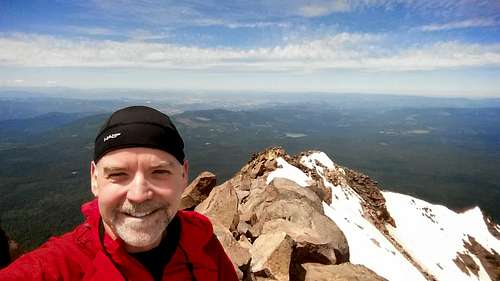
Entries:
{"x":141,"y":208}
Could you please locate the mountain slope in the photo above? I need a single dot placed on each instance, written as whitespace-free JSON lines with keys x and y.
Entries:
{"x":436,"y":238}
{"x":274,"y":218}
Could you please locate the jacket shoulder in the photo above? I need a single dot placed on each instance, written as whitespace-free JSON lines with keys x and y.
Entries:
{"x":192,"y":221}
{"x":60,"y":258}
{"x":199,"y":240}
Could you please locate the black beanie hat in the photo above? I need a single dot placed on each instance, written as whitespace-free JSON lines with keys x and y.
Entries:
{"x":139,"y":126}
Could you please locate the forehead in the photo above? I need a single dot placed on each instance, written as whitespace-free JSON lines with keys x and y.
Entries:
{"x":137,"y":155}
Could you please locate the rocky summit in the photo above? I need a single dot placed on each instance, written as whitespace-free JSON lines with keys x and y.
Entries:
{"x":304,"y":217}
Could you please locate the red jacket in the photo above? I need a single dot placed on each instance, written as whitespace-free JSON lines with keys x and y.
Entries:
{"x":78,"y":255}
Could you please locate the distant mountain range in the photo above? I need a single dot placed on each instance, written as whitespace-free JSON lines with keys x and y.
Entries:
{"x":445,"y":155}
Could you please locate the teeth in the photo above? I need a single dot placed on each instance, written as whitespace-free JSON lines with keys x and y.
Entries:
{"x":140,"y":215}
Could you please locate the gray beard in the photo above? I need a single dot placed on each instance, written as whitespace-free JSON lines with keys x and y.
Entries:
{"x":142,"y":232}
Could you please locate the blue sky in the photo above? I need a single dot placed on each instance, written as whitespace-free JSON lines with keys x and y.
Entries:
{"x":426,"y":47}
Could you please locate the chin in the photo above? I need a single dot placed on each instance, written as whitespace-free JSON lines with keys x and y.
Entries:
{"x":142,"y":233}
{"x":141,"y":239}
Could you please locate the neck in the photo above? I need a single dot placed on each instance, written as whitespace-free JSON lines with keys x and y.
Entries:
{"x":134,"y":249}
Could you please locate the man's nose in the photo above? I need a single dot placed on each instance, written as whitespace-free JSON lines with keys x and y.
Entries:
{"x":139,"y":190}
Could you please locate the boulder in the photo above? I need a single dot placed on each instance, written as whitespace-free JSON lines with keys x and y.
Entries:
{"x":239,"y":255}
{"x":198,"y":190}
{"x":342,"y":272}
{"x":244,"y":242}
{"x":221,"y":206}
{"x":243,"y":227}
{"x":257,"y":170}
{"x":297,"y":211}
{"x":271,"y":256}
{"x":310,"y":245}
{"x":261,"y":199}
{"x":324,"y":192}
{"x":284,"y":184}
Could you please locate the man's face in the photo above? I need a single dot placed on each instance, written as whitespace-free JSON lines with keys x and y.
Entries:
{"x":139,"y":192}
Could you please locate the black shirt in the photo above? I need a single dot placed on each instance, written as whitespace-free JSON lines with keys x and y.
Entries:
{"x":157,"y":258}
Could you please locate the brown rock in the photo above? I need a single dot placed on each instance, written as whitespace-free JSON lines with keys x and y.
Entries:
{"x":271,"y":165}
{"x":257,"y":170}
{"x":243,"y":227}
{"x":260,"y":200}
{"x":466,"y":264}
{"x":322,"y":243}
{"x":489,"y":259}
{"x":492,"y":226}
{"x":198,"y":190}
{"x":285,"y":206}
{"x":240,"y":181}
{"x":325,"y":193}
{"x":260,"y":278}
{"x":239,"y":255}
{"x":258,"y":183}
{"x":288,"y":185}
{"x":221,"y":206}
{"x":263,"y":162}
{"x":271,"y":255}
{"x":244,"y":242}
{"x":242,"y":194}
{"x":341,"y":272}
{"x":373,"y":201}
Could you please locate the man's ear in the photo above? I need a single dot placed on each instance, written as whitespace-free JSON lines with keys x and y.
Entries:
{"x":185,"y":171}
{"x":93,"y":178}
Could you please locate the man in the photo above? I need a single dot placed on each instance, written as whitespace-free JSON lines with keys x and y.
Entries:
{"x":133,"y":229}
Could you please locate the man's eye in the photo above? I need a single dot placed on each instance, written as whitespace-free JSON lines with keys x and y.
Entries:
{"x":161,"y":172}
{"x":116,"y":175}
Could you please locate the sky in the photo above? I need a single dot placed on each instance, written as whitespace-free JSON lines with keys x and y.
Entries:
{"x":416,"y":47}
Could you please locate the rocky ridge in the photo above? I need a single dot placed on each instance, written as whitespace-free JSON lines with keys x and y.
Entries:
{"x":285,"y":217}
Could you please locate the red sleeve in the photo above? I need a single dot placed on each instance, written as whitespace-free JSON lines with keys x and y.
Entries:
{"x":28,"y":267}
{"x":54,"y":260}
{"x":226,"y":270}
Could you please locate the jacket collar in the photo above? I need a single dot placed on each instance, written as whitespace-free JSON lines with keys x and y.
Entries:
{"x":193,"y":226}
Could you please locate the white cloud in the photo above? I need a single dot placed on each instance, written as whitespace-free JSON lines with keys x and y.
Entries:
{"x":352,"y":51}
{"x":470,"y":23}
{"x":324,"y":8}
{"x":256,"y":24}
{"x":89,"y":30}
{"x":257,"y":14}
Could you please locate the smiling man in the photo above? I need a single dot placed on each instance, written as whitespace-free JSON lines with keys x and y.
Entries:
{"x":133,"y":229}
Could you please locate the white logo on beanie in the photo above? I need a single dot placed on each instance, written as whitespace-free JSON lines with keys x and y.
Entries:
{"x":112,"y":136}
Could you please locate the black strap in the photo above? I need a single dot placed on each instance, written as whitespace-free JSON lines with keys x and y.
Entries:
{"x":189,"y":265}
{"x":101,"y":240}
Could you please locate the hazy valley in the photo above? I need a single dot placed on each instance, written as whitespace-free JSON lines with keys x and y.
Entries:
{"x":445,"y":151}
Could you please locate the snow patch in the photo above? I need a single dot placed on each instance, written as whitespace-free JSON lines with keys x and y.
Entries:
{"x":433,"y":234}
{"x":290,"y":172}
{"x":343,"y":196}
{"x":310,"y":161}
{"x":364,"y":239}
{"x":367,"y":246}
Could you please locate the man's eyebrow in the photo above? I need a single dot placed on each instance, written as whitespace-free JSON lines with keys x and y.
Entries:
{"x":162,"y":164}
{"x":112,"y":169}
